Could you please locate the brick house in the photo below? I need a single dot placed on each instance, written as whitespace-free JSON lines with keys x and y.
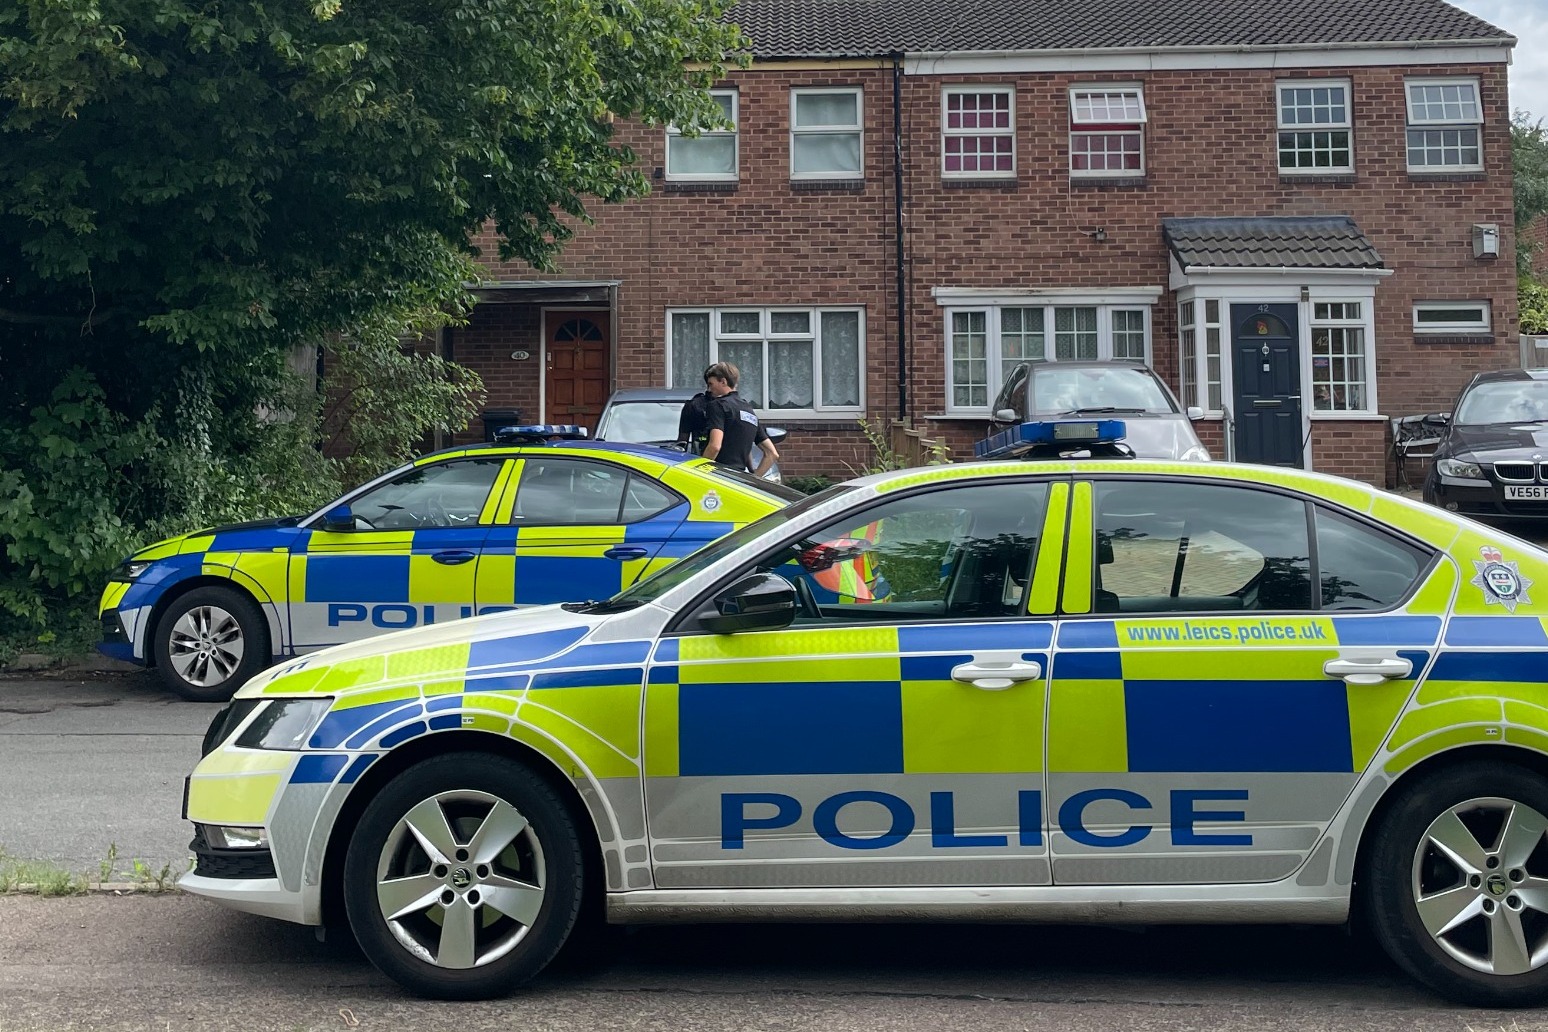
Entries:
{"x":1299,"y":214}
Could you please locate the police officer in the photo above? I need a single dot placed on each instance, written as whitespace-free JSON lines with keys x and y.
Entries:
{"x":734,"y":427}
{"x":693,"y":421}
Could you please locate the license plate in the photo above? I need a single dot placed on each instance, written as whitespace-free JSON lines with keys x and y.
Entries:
{"x":1527,"y":493}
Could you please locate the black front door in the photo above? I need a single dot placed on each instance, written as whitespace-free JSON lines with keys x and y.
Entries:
{"x":1266,"y":359}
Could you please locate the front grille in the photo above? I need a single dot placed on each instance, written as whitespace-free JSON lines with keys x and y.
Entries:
{"x":229,"y":863}
{"x":1515,"y":472}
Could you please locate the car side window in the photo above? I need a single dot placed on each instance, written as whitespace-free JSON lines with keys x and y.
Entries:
{"x":442,"y":494}
{"x":572,"y":492}
{"x":1362,"y":568}
{"x":1185,"y":547}
{"x":644,"y":498}
{"x":955,"y":553}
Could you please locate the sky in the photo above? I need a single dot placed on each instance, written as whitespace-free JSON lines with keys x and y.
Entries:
{"x":1527,"y":20}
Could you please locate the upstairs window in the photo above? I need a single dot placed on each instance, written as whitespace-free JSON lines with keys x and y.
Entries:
{"x":978,"y":133}
{"x":1445,"y":122}
{"x":710,"y":156}
{"x":1107,"y":135}
{"x":1314,"y":128}
{"x":825,"y":134}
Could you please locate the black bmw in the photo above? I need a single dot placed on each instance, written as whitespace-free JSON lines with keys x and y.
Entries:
{"x":1492,"y":461}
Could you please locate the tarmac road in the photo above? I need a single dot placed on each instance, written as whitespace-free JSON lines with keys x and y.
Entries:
{"x":176,"y":963}
{"x":92,"y":762}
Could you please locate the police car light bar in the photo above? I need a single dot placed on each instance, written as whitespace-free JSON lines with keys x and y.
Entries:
{"x":539,"y":433}
{"x":1050,"y":438}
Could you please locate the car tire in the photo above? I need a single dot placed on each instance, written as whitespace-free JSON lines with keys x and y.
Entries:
{"x":463,"y":877}
{"x":208,"y":642}
{"x":1456,"y":887}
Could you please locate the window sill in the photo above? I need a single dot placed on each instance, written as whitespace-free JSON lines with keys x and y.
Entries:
{"x":1006,"y":183}
{"x":1108,"y":183}
{"x":1446,"y":177}
{"x":956,"y":417}
{"x":1317,"y":179}
{"x":1455,"y":338}
{"x":1347,"y":417}
{"x":827,"y":185}
{"x":699,"y":188}
{"x":809,"y":424}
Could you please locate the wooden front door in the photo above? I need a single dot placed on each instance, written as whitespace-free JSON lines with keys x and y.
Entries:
{"x":577,"y":374}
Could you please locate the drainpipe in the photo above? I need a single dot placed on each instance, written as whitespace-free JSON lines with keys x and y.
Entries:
{"x":897,"y":216}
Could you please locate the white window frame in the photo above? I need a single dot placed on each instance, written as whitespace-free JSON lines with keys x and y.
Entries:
{"x":1301,"y":128}
{"x":1483,"y":325}
{"x":857,"y":130}
{"x":1196,"y":353}
{"x":765,"y":335}
{"x":1010,"y":132}
{"x":1137,"y":91}
{"x":735,"y":132}
{"x":993,"y":324}
{"x":1434,"y":124}
{"x":1361,"y":322}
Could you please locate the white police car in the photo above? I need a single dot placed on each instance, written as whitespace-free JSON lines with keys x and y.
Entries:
{"x":1044,"y":691}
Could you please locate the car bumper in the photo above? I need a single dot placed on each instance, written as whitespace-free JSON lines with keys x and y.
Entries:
{"x":116,"y":643}
{"x":262,"y":896}
{"x":1480,"y":499}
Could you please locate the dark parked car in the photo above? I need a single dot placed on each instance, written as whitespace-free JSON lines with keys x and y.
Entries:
{"x":1156,"y":426}
{"x":648,"y":415}
{"x":1492,"y":459}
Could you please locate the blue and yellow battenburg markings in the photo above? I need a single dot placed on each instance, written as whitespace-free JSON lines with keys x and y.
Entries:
{"x":1181,"y":695}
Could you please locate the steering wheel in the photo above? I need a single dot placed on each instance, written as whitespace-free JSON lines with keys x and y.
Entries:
{"x":436,"y":509}
{"x":808,"y":600}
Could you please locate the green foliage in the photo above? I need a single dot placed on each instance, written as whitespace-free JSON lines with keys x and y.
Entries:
{"x":1529,"y":158}
{"x":189,"y":193}
{"x":885,"y":457}
{"x":808,"y":485}
{"x":386,"y":401}
{"x":1533,"y":298}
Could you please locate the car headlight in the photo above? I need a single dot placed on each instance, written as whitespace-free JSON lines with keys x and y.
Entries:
{"x":284,"y":724}
{"x":1198,"y":453}
{"x":1459,"y":468}
{"x":131,"y":569}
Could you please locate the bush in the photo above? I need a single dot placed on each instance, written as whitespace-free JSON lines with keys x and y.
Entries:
{"x":808,"y":485}
{"x":1533,"y":299}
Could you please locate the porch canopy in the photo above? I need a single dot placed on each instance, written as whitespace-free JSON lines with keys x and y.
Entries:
{"x":1269,"y":242}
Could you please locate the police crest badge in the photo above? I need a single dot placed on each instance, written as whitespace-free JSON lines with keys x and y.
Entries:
{"x":1500,"y":581}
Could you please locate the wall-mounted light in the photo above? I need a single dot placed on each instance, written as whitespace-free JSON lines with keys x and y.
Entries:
{"x":1486,"y":240}
{"x":1099,"y":235}
{"x":1305,"y":294}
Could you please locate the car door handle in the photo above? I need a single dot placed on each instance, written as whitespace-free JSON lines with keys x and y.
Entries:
{"x":453,"y":558}
{"x":996,"y":675}
{"x":1373,"y":670}
{"x":622,"y":552}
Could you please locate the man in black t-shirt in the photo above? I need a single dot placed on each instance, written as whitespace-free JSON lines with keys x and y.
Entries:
{"x":734,"y":427}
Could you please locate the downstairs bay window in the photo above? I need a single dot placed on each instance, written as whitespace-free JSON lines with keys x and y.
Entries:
{"x":793,"y":361}
{"x":985,"y":343}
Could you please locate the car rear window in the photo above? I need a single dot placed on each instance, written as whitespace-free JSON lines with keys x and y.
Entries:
{"x":784,"y":495}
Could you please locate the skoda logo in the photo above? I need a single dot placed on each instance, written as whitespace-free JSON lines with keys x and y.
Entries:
{"x":461,"y":879}
{"x":1496,"y":884}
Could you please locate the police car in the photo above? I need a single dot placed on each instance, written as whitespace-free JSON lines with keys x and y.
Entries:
{"x":1066,"y":690}
{"x":539,"y":516}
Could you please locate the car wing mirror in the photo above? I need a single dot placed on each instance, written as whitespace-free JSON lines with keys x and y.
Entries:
{"x":1005,"y":415}
{"x":1194,"y":412}
{"x":339,"y":520}
{"x":757,"y":602}
{"x":776,"y":433}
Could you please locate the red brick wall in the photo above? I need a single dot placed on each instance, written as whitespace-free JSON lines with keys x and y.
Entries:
{"x":1210,"y":151}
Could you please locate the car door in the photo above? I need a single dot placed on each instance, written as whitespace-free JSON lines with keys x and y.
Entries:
{"x":1230,"y":660}
{"x":575,"y":529}
{"x":411,"y":559}
{"x":892,"y":734}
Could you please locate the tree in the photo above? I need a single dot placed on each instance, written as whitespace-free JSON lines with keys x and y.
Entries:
{"x":189,"y":190}
{"x":1529,"y":161}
